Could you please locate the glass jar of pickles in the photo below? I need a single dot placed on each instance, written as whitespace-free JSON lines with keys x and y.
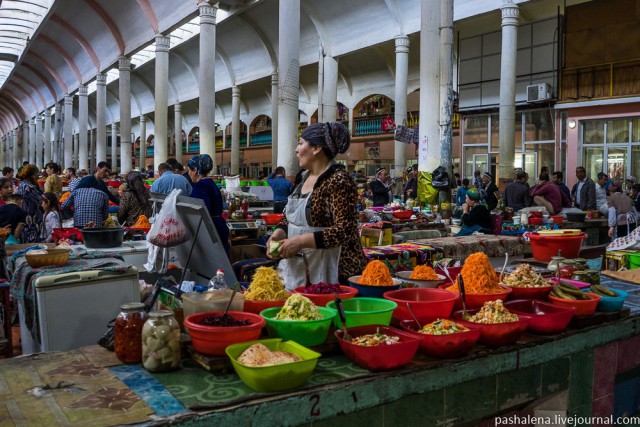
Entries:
{"x":580,"y":276}
{"x":567,"y":268}
{"x":594,"y":276}
{"x":160,"y":342}
{"x":581,"y":263}
{"x":128,"y":332}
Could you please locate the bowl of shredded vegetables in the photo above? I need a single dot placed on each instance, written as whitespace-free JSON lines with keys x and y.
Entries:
{"x":321,"y":293}
{"x":378,"y":348}
{"x":299,"y":320}
{"x":365,"y":311}
{"x":480,"y":282}
{"x":443,"y":338}
{"x":498,"y":325}
{"x":424,"y":302}
{"x":422,"y":276}
{"x":375,"y":280}
{"x":212,"y":332}
{"x":525,"y":283}
{"x":266,"y":290}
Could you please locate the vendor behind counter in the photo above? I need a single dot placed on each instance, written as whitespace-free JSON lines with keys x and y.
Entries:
{"x":475,"y":215}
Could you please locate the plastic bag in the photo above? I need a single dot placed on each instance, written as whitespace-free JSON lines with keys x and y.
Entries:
{"x":426,"y":192}
{"x":440,"y":178}
{"x":388,"y":124}
{"x":168,"y":229}
{"x":157,"y":259}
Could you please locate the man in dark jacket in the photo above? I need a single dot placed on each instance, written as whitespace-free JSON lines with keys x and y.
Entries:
{"x":380,"y":188}
{"x":516,"y":195}
{"x":584,"y":192}
{"x":490,"y":190}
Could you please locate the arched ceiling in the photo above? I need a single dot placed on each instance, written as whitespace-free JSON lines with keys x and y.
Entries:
{"x":64,"y":43}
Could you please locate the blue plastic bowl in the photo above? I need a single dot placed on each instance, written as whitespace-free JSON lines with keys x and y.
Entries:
{"x":372,"y":291}
{"x":610,"y":304}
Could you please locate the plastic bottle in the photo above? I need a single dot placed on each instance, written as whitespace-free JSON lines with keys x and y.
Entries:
{"x":218,"y":282}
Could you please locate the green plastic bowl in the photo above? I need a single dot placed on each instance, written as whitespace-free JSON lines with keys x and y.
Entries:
{"x":255,"y":183}
{"x":305,"y":332}
{"x":277,"y":377}
{"x":364,"y":311}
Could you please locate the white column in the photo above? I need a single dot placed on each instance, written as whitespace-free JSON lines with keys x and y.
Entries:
{"x":274,"y":119}
{"x":55,"y":149}
{"x":101,"y":118}
{"x":114,"y":148}
{"x":289,"y":78}
{"x":93,"y":159}
{"x":206,"y":78}
{"x":32,"y":142}
{"x":429,"y":150}
{"x":15,"y":152}
{"x":402,"y":71}
{"x":177,"y":121}
{"x":507,"y":115}
{"x":235,"y":130}
{"x":68,"y":131}
{"x":46,"y":137}
{"x":143,"y":142}
{"x":124,"y":95}
{"x":25,"y":142}
{"x":83,"y":125}
{"x":161,"y":107}
{"x":76,"y":142}
{"x":39,"y":143}
{"x":446,"y":84}
{"x":330,"y":89}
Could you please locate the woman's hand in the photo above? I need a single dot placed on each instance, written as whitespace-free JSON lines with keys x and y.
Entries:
{"x":291,"y":247}
{"x":278,"y":236}
{"x":610,"y":232}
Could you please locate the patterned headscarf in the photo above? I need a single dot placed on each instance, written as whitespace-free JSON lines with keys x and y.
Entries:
{"x":332,"y":136}
{"x":202,"y":163}
{"x":28,"y":172}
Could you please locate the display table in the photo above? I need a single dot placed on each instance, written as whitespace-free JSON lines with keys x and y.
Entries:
{"x":574,"y":371}
{"x":494,"y":246}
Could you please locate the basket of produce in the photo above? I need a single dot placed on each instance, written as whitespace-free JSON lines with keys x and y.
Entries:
{"x":422,"y":276}
{"x":424,"y":302}
{"x":480,"y":282}
{"x":103,"y":237}
{"x":498,"y":325}
{"x":299,"y":320}
{"x":525,"y":283}
{"x":443,"y":338}
{"x":272,"y":365}
{"x":321,"y":293}
{"x":610,"y":299}
{"x":271,"y":219}
{"x":378,"y":348}
{"x":584,"y":303}
{"x":544,"y":317}
{"x":43,"y":257}
{"x":375,"y":280}
{"x":265,"y":291}
{"x":212,"y":332}
{"x":365,"y":311}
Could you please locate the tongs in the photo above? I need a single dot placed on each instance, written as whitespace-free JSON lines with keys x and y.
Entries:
{"x":343,"y":319}
{"x":504,"y":267}
{"x":463,"y":297}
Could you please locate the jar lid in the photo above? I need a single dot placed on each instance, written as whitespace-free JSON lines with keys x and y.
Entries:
{"x":132,"y":306}
{"x":161,"y":313}
{"x":581,"y":272}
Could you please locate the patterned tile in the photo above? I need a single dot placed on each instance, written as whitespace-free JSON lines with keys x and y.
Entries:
{"x":604,"y":369}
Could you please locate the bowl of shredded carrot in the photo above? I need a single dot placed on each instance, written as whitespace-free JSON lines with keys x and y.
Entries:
{"x":375,"y":280}
{"x":480,"y":282}
{"x":422,"y":276}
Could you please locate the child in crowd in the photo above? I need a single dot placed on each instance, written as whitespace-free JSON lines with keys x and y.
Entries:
{"x":51,"y":208}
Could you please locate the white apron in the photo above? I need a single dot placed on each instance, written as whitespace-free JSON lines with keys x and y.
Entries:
{"x":323,"y":263}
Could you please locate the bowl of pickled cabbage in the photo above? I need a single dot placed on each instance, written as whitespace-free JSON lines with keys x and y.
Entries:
{"x":213,"y":331}
{"x":377,"y":347}
{"x":299,"y":320}
{"x":321,"y":293}
{"x":498,"y":325}
{"x":443,"y":338}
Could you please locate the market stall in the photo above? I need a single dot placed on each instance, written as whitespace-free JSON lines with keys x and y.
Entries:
{"x":494,"y":246}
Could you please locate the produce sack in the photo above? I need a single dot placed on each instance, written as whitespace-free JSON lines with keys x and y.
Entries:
{"x":168,"y":229}
{"x":427,"y":194}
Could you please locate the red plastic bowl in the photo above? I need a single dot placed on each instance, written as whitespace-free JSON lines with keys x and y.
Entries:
{"x":403,"y":214}
{"x":323,"y":299}
{"x":213,"y":340}
{"x":557,"y":219}
{"x":444,"y":346}
{"x":535,"y":221}
{"x":544,"y":318}
{"x":478,"y":300}
{"x":520,"y":292}
{"x":257,"y":306}
{"x":453,"y":272}
{"x":271,"y":219}
{"x":381,"y":357}
{"x":582,"y":307}
{"x":67,"y":233}
{"x":425,"y":302}
{"x":545,"y":247}
{"x":496,"y":334}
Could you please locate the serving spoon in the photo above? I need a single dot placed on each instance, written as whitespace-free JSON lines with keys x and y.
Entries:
{"x":413,"y":315}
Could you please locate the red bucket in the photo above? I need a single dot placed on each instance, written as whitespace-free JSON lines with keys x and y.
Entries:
{"x":545,"y":247}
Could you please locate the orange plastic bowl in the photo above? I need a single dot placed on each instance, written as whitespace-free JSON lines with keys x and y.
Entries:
{"x":582,"y":307}
{"x":213,"y":340}
{"x":271,"y":219}
{"x":323,"y":299}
